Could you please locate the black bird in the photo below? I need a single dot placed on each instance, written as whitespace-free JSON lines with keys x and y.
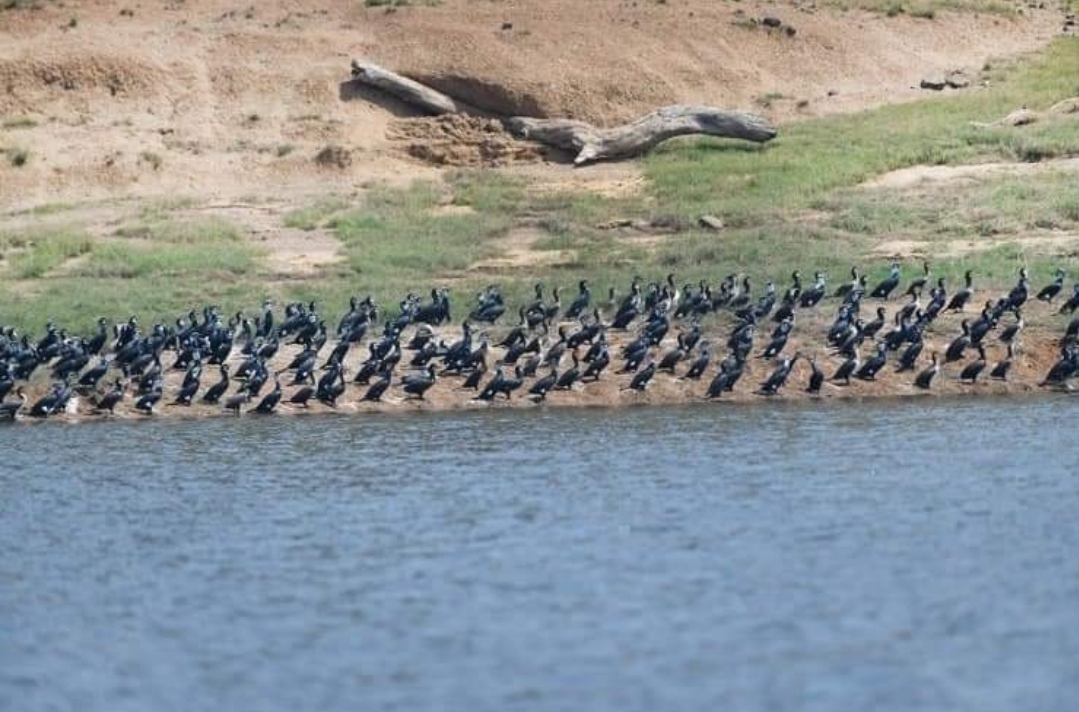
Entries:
{"x":918,"y":284}
{"x":1018,"y":296}
{"x":888,"y":285}
{"x":641,"y":378}
{"x":960,"y":298}
{"x":844,"y":290}
{"x":90,"y":378}
{"x":812,"y":296}
{"x":972,"y":370}
{"x":846,"y":370}
{"x":539,"y":389}
{"x":726,"y":378}
{"x":870,"y":329}
{"x":1073,"y":302}
{"x":909,"y":358}
{"x":110,"y":400}
{"x":146,"y":402}
{"x":416,"y":385}
{"x":8,"y":411}
{"x":925,"y":379}
{"x":375,"y":391}
{"x":234,"y":403}
{"x":301,"y":396}
{"x":1049,"y":292}
{"x":214,"y":393}
{"x":270,"y":400}
{"x":869,"y":370}
{"x":474,"y":378}
{"x":1000,"y":371}
{"x":700,"y":365}
{"x":582,"y":302}
{"x":958,"y":347}
{"x":779,"y":376}
{"x":569,"y":377}
{"x":1010,"y":334}
{"x":1065,"y":368}
{"x":816,"y":377}
{"x":598,"y":363}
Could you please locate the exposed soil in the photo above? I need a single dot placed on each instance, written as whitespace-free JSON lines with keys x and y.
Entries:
{"x":221,"y":100}
{"x":934,"y":175}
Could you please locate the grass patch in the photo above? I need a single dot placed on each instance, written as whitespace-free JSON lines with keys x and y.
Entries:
{"x":19,"y":122}
{"x":926,"y":9}
{"x":313,"y":217}
{"x":200,"y":261}
{"x":43,"y":251}
{"x":398,"y":237}
{"x":203,"y":231}
{"x":18,"y":157}
{"x":746,"y":184}
{"x":154,"y":160}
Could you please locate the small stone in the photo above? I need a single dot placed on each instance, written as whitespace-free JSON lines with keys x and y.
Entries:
{"x":710,"y":222}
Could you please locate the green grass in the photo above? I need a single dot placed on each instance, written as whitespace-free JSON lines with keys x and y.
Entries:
{"x":43,"y":251}
{"x":18,"y":122}
{"x":201,"y":262}
{"x":314,"y":216}
{"x":746,"y":184}
{"x":398,"y":237}
{"x":926,"y":9}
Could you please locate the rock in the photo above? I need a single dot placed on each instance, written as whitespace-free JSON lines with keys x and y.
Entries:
{"x":934,"y":83}
{"x":710,"y":222}
{"x":774,"y":22}
{"x":334,"y":156}
{"x":957,"y":79}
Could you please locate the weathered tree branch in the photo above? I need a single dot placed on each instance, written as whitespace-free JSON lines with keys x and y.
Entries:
{"x":405,"y":89}
{"x":592,"y":143}
{"x":589,"y":143}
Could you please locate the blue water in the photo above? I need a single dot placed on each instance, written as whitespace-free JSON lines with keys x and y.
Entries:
{"x":914,"y":555}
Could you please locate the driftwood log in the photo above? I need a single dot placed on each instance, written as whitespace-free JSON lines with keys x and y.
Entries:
{"x":405,"y":89}
{"x":592,"y":143}
{"x":587,"y":142}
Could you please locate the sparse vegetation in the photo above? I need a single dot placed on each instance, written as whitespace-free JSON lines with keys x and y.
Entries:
{"x":926,"y":9}
{"x":45,"y":250}
{"x":17,"y":156}
{"x":18,"y":122}
{"x":151,"y":159}
{"x":313,"y":217}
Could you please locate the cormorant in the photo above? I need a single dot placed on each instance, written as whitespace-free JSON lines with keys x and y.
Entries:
{"x":271,"y":399}
{"x":869,"y":370}
{"x":925,"y":379}
{"x":973,"y":369}
{"x":375,"y":391}
{"x":958,"y":347}
{"x":1049,"y":292}
{"x":8,"y":411}
{"x":960,"y":298}
{"x":779,"y":376}
{"x":816,"y":377}
{"x":416,"y":385}
{"x":888,"y":285}
{"x":1000,"y":371}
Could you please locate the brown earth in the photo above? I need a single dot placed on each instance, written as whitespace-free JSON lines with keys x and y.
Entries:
{"x":219,"y":100}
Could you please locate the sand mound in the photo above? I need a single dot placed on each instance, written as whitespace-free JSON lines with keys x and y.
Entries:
{"x":463,"y":141}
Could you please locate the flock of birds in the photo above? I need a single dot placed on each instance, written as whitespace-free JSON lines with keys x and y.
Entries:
{"x":124,"y":363}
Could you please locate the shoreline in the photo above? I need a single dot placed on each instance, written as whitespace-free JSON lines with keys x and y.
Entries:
{"x":1031,"y":363}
